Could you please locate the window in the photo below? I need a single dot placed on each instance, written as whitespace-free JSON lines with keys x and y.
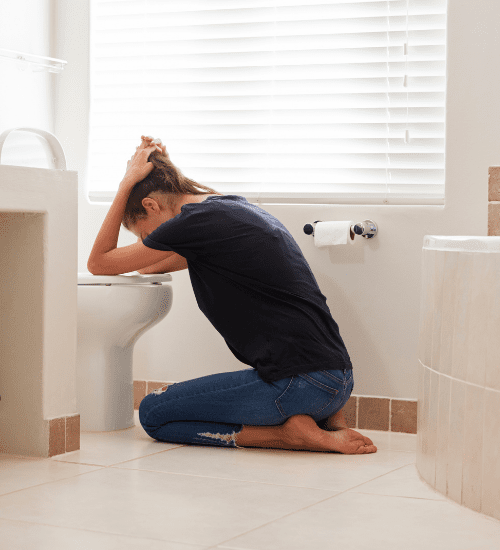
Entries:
{"x":284,"y":101}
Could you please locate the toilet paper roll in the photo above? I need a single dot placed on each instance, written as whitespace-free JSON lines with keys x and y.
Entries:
{"x":333,"y":233}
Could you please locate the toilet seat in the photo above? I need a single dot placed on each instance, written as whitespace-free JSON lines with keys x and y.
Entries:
{"x":139,"y":279}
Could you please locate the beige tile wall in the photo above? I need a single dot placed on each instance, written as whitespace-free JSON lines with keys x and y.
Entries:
{"x":458,"y":438}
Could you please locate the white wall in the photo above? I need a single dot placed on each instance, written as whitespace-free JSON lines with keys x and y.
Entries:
{"x":373,"y":288}
{"x":26,"y":97}
{"x":27,"y":100}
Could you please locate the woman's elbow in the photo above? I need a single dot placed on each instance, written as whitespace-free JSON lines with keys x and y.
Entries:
{"x":92,"y":268}
{"x":96,"y":269}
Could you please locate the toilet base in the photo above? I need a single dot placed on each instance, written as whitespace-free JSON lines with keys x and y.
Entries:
{"x":105,"y":388}
{"x":111,"y":318}
{"x":97,"y":427}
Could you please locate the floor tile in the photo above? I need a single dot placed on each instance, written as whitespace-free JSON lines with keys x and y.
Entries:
{"x":403,"y":482}
{"x":354,"y":521}
{"x":178,"y":508}
{"x":393,"y":441}
{"x":18,"y":473}
{"x":327,"y":471}
{"x":19,"y":535}
{"x":165,"y":496}
{"x":107,"y":448}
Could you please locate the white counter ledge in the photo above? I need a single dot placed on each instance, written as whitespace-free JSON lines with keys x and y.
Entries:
{"x":38,"y":307}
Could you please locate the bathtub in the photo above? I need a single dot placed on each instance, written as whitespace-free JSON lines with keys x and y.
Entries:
{"x":458,"y":434}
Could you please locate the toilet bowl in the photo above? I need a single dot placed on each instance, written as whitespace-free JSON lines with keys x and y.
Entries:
{"x":113,"y":312}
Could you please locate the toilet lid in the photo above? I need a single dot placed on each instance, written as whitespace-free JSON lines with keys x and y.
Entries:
{"x":136,"y":279}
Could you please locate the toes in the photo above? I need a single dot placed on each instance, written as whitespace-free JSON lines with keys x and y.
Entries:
{"x":367,"y":449}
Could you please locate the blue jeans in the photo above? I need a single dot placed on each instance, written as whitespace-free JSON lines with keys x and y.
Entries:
{"x":212,"y":409}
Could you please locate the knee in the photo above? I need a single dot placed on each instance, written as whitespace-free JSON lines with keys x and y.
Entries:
{"x":144,"y":416}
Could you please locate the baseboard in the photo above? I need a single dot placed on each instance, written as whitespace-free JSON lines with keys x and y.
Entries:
{"x":64,"y":434}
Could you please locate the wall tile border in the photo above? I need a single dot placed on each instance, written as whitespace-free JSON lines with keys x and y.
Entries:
{"x":64,"y":434}
{"x":494,"y":201}
{"x":361,"y":412}
{"x":494,"y":183}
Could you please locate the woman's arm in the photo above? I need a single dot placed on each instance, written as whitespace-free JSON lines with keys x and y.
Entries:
{"x":176,"y":262}
{"x":126,"y":259}
{"x":105,"y":258}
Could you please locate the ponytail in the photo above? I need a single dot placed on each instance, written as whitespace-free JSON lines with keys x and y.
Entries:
{"x":164,"y":178}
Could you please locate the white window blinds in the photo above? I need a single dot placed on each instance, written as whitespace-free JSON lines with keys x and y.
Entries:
{"x":284,"y":101}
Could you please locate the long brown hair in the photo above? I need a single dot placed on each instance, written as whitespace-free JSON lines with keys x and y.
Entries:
{"x":164,"y":178}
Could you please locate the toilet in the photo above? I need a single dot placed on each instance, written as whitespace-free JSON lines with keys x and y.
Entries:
{"x":113,"y":312}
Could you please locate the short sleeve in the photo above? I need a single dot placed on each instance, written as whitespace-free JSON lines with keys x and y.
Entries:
{"x":187,"y":234}
{"x":150,"y":243}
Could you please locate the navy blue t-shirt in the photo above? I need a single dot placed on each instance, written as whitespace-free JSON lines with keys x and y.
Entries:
{"x":254,"y":285}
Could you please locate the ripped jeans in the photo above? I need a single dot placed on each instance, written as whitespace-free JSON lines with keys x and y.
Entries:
{"x":211,"y":410}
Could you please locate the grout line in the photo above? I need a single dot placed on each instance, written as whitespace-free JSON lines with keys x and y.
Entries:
{"x":384,"y":397}
{"x":257,"y":482}
{"x":458,"y":379}
{"x":434,"y":432}
{"x":145,"y":456}
{"x":390,"y":414}
{"x":111,"y":533}
{"x":399,"y":496}
{"x":231,"y":479}
{"x":314,"y":504}
{"x":52,"y":481}
{"x":357,"y":413}
{"x":100,"y":466}
{"x":277,"y":519}
{"x":25,"y":457}
{"x":464,"y":453}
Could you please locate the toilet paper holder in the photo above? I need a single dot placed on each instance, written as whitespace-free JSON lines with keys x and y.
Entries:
{"x":366,"y":228}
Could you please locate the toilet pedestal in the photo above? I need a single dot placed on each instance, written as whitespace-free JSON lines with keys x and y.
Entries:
{"x":110,"y":403}
{"x":113,"y":312}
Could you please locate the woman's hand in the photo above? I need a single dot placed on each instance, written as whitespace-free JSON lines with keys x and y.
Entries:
{"x":138,"y":166}
{"x":158,"y":142}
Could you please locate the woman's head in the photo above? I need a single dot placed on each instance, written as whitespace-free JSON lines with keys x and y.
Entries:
{"x":165,"y":184}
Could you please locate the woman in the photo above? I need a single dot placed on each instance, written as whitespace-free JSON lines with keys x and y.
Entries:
{"x":254,"y":285}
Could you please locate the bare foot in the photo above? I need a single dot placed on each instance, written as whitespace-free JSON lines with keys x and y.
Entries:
{"x":351,"y":442}
{"x":301,"y":432}
{"x":334,"y":422}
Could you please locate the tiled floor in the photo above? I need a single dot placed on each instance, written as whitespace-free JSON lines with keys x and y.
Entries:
{"x":123,"y":490}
